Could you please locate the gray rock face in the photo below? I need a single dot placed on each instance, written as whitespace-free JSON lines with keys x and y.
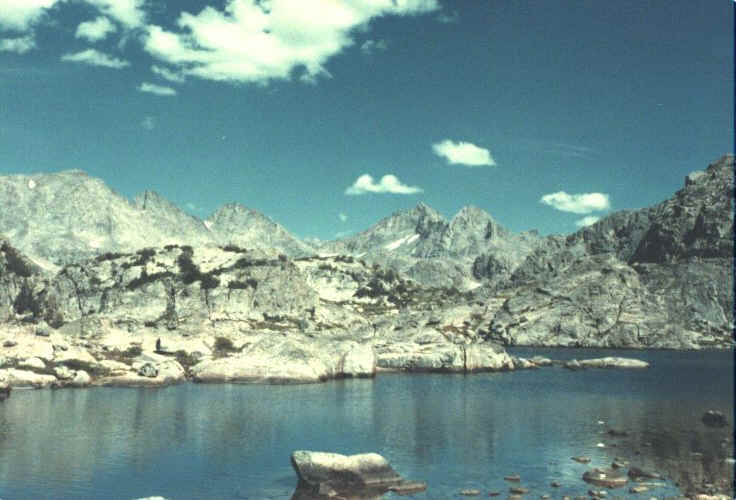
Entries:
{"x":433,"y":251}
{"x":234,"y":224}
{"x":658,"y":277}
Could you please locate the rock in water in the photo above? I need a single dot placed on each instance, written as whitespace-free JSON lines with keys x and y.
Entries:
{"x":332,"y":473}
{"x":714,"y":418}
{"x":613,"y":362}
{"x":608,"y":478}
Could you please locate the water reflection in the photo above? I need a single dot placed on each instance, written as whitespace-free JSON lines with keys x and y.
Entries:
{"x":452,"y":431}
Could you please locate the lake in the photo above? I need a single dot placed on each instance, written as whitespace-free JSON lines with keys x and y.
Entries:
{"x":452,"y":431}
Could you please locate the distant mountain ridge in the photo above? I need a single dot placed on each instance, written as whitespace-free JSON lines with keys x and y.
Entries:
{"x":68,"y":216}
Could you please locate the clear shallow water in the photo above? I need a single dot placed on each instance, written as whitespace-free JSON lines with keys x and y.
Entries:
{"x":452,"y":431}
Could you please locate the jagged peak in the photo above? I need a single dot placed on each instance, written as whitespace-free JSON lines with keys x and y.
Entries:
{"x":149,"y":197}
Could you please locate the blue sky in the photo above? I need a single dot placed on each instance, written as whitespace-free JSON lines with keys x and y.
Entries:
{"x":328,"y":115}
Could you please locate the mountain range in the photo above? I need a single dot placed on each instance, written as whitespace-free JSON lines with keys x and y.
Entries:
{"x":660,"y":276}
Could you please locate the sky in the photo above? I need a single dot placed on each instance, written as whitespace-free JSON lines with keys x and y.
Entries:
{"x":328,"y":115}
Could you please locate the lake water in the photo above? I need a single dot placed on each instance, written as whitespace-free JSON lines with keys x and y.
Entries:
{"x":452,"y":431}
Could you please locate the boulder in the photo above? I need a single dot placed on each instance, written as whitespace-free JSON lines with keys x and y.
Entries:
{"x":148,"y":370}
{"x":63,"y":373}
{"x":24,"y":378}
{"x":32,"y":364}
{"x":296,"y":366}
{"x":608,"y":478}
{"x":541,"y":361}
{"x":81,"y":379}
{"x":332,"y":473}
{"x":714,"y":418}
{"x":613,"y":362}
{"x":470,"y":492}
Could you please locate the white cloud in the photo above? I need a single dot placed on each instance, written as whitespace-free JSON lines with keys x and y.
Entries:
{"x":152,"y":88}
{"x":95,"y":58}
{"x":577,"y":203}
{"x":20,"y":14}
{"x":463,"y":153}
{"x":371,"y":46}
{"x":587,"y":221}
{"x":148,"y":122}
{"x":342,"y":217}
{"x":20,"y":45}
{"x":252,"y":41}
{"x":96,"y":30}
{"x":167,"y":74}
{"x":129,"y":13}
{"x":388,"y":184}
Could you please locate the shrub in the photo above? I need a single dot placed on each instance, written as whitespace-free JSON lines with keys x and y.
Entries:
{"x":15,"y":262}
{"x":223,"y":346}
{"x":241,"y":285}
{"x":234,"y":248}
{"x":132,"y":351}
{"x":208,"y":281}
{"x":186,"y":360}
{"x":188,"y":269}
{"x":109,"y":256}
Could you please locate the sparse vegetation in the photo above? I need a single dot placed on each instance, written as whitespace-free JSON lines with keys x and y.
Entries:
{"x":242,"y":285}
{"x":234,"y":248}
{"x":223,"y":346}
{"x":144,"y":278}
{"x":109,"y":256}
{"x":15,"y":262}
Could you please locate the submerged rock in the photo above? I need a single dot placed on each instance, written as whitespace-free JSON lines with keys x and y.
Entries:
{"x":714,"y":418}
{"x":470,"y":492}
{"x":608,"y":478}
{"x":637,"y":473}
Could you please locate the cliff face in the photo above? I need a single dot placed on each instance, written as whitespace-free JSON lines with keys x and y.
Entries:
{"x":657,"y":277}
{"x":661,"y":276}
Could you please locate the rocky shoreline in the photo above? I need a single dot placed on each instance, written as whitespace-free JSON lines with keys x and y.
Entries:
{"x":34,"y":357}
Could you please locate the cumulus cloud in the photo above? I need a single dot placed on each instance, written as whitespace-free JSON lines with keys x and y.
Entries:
{"x":95,"y":30}
{"x":342,"y":217}
{"x":370,"y":46}
{"x":252,"y":41}
{"x":19,"y":15}
{"x":587,"y":221}
{"x":463,"y":153}
{"x":129,"y":13}
{"x":577,"y":203}
{"x":388,"y":184}
{"x":167,"y":74}
{"x":20,"y":45}
{"x":95,"y":58}
{"x":152,"y":88}
{"x":148,"y":122}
